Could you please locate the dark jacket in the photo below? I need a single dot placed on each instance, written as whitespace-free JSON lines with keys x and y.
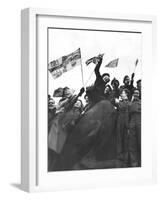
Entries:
{"x":96,"y":92}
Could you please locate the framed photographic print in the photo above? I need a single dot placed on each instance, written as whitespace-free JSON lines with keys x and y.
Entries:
{"x":86,"y":109}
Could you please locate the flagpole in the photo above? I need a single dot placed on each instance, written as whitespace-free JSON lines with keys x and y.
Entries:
{"x":82,"y":71}
{"x":89,"y":78}
{"x":92,"y":71}
{"x":136,"y":63}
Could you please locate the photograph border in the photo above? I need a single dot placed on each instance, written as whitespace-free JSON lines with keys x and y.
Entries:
{"x":29,"y":81}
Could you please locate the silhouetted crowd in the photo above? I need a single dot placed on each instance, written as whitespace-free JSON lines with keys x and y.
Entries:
{"x":126,"y":102}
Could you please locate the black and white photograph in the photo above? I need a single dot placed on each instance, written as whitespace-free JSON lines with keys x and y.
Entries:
{"x":94,"y":99}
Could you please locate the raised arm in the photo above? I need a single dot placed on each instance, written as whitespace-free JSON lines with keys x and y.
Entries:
{"x":132,"y":79}
{"x":73,"y":100}
{"x":97,"y":68}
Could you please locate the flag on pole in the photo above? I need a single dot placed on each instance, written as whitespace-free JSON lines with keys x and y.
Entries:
{"x":113,"y":63}
{"x":91,"y":60}
{"x":94,"y":59}
{"x":64,"y":64}
{"x":136,"y":62}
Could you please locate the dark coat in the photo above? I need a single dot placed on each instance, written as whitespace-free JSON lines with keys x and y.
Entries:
{"x":135,"y":132}
{"x":96,"y":92}
{"x":122,"y":130}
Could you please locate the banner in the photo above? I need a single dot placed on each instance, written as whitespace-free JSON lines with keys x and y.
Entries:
{"x":64,"y":64}
{"x":113,"y":63}
{"x":91,"y":60}
{"x":94,"y":59}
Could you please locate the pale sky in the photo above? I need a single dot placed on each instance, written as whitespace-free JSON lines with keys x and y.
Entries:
{"x":125,"y":46}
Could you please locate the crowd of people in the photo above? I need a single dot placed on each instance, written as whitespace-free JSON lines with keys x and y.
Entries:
{"x":126,"y":102}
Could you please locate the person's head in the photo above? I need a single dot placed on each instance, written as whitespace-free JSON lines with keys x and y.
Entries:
{"x":106,"y":77}
{"x":136,"y":94}
{"x":138,"y":83}
{"x":67,"y":92}
{"x":115,"y":83}
{"x":51,"y":103}
{"x":89,"y":93}
{"x":126,"y":80}
{"x":78,"y":105}
{"x":58,"y":92}
{"x":86,"y":98}
{"x":107,"y":90}
{"x":124,"y":94}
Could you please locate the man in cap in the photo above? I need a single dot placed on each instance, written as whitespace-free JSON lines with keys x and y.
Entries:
{"x":97,"y":92}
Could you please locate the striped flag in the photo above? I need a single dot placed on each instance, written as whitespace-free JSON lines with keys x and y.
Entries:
{"x":91,"y":60}
{"x":94,"y":59}
{"x":64,"y":64}
{"x":113,"y":63}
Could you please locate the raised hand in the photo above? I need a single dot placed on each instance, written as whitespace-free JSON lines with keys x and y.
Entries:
{"x":132,"y":76}
{"x":81,"y":91}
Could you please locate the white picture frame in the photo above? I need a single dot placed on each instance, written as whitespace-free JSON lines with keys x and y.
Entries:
{"x":34,"y":176}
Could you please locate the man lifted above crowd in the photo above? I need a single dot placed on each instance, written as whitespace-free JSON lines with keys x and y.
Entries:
{"x":96,"y":92}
